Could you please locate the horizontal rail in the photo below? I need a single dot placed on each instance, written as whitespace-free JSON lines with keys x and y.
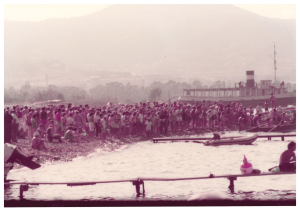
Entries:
{"x":219,"y":176}
{"x":149,"y":179}
{"x":267,"y":136}
{"x":69,"y":183}
{"x":188,"y":139}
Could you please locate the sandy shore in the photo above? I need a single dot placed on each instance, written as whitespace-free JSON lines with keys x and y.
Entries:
{"x":67,"y":151}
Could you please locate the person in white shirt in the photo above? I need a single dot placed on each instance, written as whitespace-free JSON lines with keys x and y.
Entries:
{"x":259,"y":108}
{"x":103,"y":127}
{"x":123,"y":124}
{"x":148,"y":128}
{"x":96,"y":121}
{"x":70,"y":120}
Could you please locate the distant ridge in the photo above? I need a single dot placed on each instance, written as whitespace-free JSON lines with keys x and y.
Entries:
{"x":186,"y":40}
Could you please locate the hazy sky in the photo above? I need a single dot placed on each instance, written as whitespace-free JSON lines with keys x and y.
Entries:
{"x":38,"y":12}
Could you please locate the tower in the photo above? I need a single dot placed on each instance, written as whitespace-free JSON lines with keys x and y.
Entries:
{"x":250,"y":78}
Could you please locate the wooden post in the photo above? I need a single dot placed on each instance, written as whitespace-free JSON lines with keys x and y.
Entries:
{"x":137,"y":186}
{"x":143,"y":187}
{"x":23,"y":187}
{"x":231,"y":185}
{"x":282,"y":138}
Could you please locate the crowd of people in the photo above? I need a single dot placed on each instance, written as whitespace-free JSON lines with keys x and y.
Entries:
{"x":59,"y":123}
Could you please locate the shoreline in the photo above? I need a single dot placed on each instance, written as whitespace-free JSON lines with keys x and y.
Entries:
{"x":67,"y":151}
{"x":146,"y":203}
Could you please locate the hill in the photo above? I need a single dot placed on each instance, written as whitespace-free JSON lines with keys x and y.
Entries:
{"x":190,"y":41}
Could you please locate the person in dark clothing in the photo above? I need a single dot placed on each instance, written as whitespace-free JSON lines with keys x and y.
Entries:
{"x":7,"y":126}
{"x":166,"y":124}
{"x":287,"y":162}
{"x":162,"y":118}
{"x":51,"y":136}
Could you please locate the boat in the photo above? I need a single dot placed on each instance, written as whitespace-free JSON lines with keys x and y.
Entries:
{"x":249,"y":93}
{"x":246,"y":140}
{"x":12,"y":155}
{"x":281,"y":128}
{"x":7,"y":168}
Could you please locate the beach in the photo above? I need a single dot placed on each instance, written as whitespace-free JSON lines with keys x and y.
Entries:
{"x":67,"y":151}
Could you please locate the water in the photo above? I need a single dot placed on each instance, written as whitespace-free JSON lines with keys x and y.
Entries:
{"x":162,"y":160}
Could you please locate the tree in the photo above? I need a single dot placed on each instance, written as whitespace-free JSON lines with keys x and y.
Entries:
{"x":60,"y":96}
{"x":155,"y":94}
{"x":26,"y":86}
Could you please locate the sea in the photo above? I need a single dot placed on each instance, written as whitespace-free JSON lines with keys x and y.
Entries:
{"x":180,"y":159}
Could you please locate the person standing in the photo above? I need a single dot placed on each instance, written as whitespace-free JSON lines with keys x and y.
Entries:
{"x":266,"y":106}
{"x":96,"y":121}
{"x":78,"y":119}
{"x":241,"y":122}
{"x":259,"y":108}
{"x":8,"y":119}
{"x":58,"y":122}
{"x":15,"y":126}
{"x":44,"y":118}
{"x":28,"y":123}
{"x":273,"y":99}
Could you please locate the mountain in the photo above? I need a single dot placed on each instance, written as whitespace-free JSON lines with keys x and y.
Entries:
{"x":196,"y":41}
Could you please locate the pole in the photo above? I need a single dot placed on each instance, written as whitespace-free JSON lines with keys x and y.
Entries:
{"x":274,"y":65}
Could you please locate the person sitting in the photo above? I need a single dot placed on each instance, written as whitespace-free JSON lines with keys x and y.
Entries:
{"x":69,"y":136}
{"x":51,"y":136}
{"x":257,"y":119}
{"x":22,"y":133}
{"x":41,"y":131}
{"x":80,"y":134}
{"x":274,"y":115}
{"x":37,"y":142}
{"x":216,"y":136}
{"x":269,"y":122}
{"x":287,"y":162}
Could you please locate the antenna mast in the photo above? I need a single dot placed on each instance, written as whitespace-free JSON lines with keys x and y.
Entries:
{"x":274,"y":65}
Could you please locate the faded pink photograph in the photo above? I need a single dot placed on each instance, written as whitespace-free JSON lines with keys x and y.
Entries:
{"x":127,"y":105}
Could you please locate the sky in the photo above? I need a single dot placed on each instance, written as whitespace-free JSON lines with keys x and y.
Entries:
{"x":39,"y":12}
